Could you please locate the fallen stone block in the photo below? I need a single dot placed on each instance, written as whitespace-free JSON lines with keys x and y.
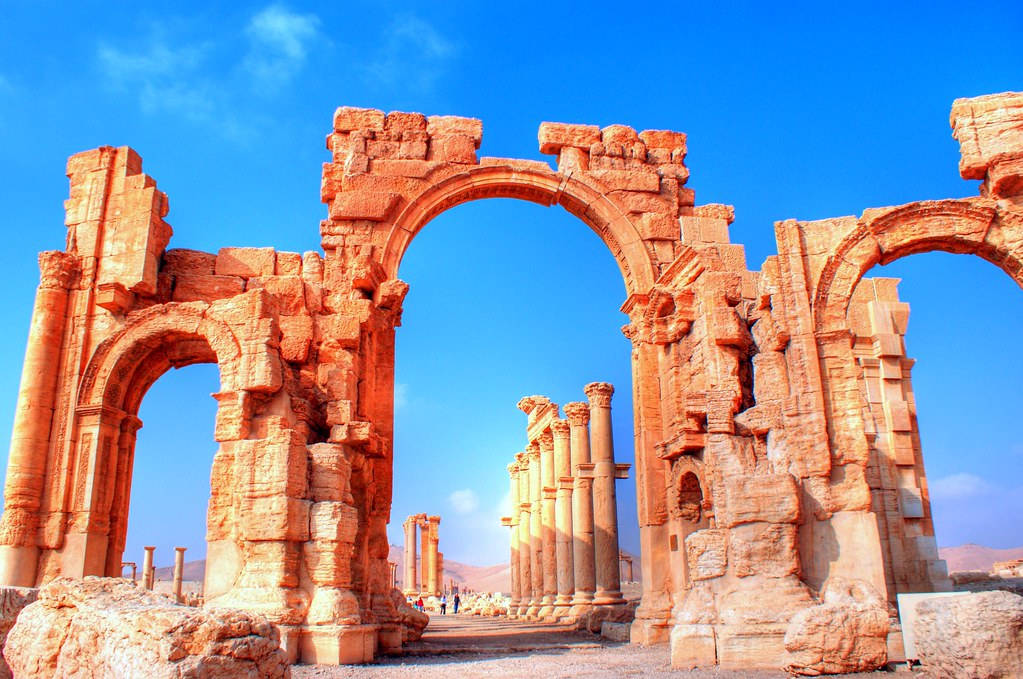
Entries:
{"x":109,"y":628}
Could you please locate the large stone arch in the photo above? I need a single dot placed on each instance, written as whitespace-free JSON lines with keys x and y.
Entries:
{"x":105,"y":424}
{"x":586,"y":200}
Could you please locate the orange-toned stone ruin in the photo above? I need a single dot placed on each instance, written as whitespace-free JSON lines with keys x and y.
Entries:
{"x":564,"y":537}
{"x":776,"y":442}
{"x":431,"y":559}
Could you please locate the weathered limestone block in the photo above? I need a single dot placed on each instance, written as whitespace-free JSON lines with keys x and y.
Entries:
{"x":12,"y":601}
{"x":707,"y":553}
{"x":846,"y":632}
{"x":246,"y":262}
{"x":978,"y":635}
{"x":108,"y":627}
{"x":754,"y":615}
{"x":206,"y":288}
{"x":773,"y":498}
{"x":182,"y":261}
{"x":413,"y":622}
{"x":990,"y":134}
{"x":769,"y":549}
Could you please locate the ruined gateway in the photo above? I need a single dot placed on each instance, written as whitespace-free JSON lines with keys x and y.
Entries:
{"x":776,"y":441}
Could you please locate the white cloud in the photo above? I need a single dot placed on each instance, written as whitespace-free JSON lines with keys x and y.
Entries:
{"x":400,"y":396}
{"x":958,"y":487}
{"x":279,"y":42}
{"x":412,"y":53}
{"x":464,"y":501}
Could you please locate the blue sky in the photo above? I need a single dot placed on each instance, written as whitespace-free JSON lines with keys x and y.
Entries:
{"x":791,"y":111}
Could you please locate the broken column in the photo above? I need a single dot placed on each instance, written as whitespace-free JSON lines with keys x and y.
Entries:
{"x":410,"y":526}
{"x":549,"y":560}
{"x":147,"y":568}
{"x":179,"y":571}
{"x":578,"y":414}
{"x":563,"y":517}
{"x":605,"y":508}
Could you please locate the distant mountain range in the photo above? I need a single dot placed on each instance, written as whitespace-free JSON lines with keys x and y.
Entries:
{"x":971,"y":557}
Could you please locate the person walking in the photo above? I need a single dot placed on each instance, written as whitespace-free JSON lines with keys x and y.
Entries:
{"x":443,"y":604}
{"x":456,"y":602}
{"x":419,"y":603}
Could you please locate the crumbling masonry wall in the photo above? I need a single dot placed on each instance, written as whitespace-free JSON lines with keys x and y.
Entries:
{"x":776,"y":442}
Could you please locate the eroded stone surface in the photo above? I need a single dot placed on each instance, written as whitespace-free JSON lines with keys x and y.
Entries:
{"x":975,"y":635}
{"x":846,"y":632}
{"x":108,"y":627}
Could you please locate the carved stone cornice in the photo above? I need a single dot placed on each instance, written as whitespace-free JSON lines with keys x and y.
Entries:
{"x":599,"y":394}
{"x":577,"y":412}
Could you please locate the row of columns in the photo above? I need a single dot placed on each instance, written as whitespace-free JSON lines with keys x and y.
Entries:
{"x":432,"y":559}
{"x":564,"y":537}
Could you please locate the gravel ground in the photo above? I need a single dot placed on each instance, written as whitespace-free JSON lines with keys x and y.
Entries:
{"x":467,"y":647}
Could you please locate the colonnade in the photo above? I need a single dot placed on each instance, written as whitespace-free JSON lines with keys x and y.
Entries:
{"x":432,"y":559}
{"x":564,"y":520}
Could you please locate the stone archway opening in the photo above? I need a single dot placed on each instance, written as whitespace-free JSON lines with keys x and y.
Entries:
{"x":939,"y":381}
{"x":526,"y":302}
{"x":169,"y":484}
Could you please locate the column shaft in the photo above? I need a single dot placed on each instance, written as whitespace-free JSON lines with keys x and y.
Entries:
{"x":410,"y":525}
{"x":535,"y":531}
{"x":513,"y":520}
{"x":147,"y":568}
{"x":179,"y":571}
{"x":549,"y":492}
{"x":525,"y":573}
{"x":563,"y":516}
{"x":605,"y":507}
{"x":578,"y":415}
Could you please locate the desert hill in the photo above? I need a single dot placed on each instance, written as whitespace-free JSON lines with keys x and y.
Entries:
{"x":971,"y":557}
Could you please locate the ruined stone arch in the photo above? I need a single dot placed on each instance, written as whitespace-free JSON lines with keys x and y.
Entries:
{"x":129,"y":353}
{"x":883,"y":235}
{"x":586,"y":200}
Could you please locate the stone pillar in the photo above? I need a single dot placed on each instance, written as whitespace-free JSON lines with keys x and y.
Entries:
{"x":578,"y":415}
{"x":179,"y":571}
{"x":525,"y":546}
{"x":432,"y":565}
{"x":147,"y":568}
{"x":393,"y":567}
{"x":37,"y":394}
{"x":549,"y":491}
{"x":605,"y":508}
{"x":563,"y":517}
{"x":410,"y":526}
{"x":440,"y":572}
{"x":535,"y":531}
{"x":513,"y":521}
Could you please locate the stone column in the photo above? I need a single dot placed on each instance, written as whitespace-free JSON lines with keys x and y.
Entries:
{"x":410,"y":526}
{"x":432,"y":566}
{"x":393,"y":568}
{"x":525,"y":546}
{"x":563,"y":517}
{"x":37,"y":396}
{"x":147,"y":568}
{"x":535,"y":531}
{"x":578,"y":415}
{"x":440,"y":573}
{"x":179,"y":571}
{"x":513,"y":521}
{"x":605,"y":508}
{"x":549,"y":491}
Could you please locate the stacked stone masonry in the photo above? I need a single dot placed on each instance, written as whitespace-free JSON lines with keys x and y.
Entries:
{"x":775,"y":429}
{"x":564,"y":530}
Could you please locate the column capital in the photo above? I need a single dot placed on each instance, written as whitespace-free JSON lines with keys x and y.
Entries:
{"x":433,"y":520}
{"x":533,"y":450}
{"x":546,"y":440}
{"x":560,"y":428}
{"x":56,"y":269}
{"x":528,"y":404}
{"x":513,"y":469}
{"x":577,"y":412}
{"x":599,"y":394}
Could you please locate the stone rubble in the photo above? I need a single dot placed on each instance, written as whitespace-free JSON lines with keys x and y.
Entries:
{"x":108,"y":628}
